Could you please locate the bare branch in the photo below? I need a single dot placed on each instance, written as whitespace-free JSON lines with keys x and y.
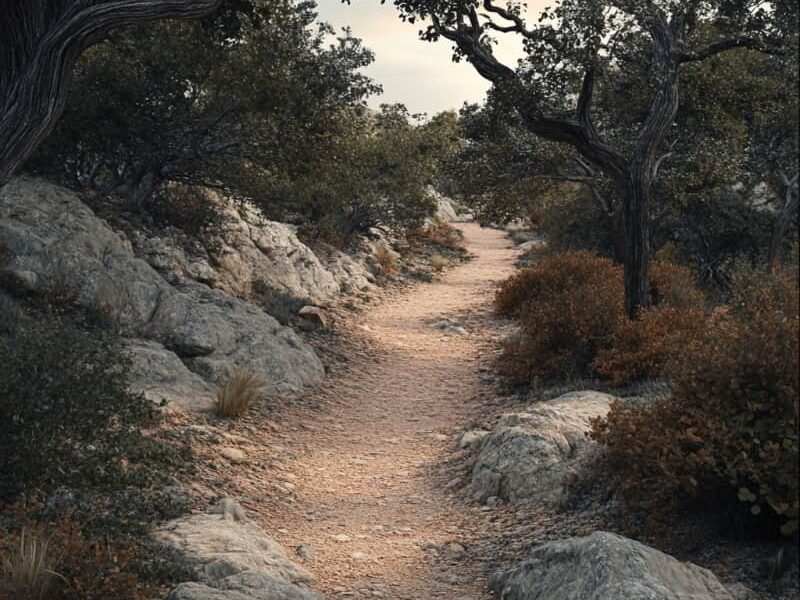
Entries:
{"x":738,"y":41}
{"x":36,"y":58}
{"x":518,"y":23}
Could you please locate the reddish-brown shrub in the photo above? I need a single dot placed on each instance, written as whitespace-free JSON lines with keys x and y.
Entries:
{"x":569,"y":305}
{"x":641,"y":349}
{"x":437,"y":233}
{"x":729,"y":433}
{"x":673,"y":285}
{"x":82,"y":568}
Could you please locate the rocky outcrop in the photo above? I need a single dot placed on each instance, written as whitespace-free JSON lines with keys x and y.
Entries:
{"x":447,"y":210}
{"x":605,"y":566}
{"x":251,"y":253}
{"x":161,"y":376}
{"x":233,"y":559}
{"x":184,"y":338}
{"x":352,"y":275}
{"x":528,"y":455}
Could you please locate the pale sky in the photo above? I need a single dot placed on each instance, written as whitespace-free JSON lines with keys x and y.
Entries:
{"x":419,"y":74}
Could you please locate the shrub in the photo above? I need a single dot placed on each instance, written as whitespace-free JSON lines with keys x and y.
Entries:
{"x":60,"y":562}
{"x":240,"y":391}
{"x":190,"y":209}
{"x":673,"y":285}
{"x":438,"y":262}
{"x":569,"y":304}
{"x":387,"y":260}
{"x":437,"y":233}
{"x":641,"y":349}
{"x":67,"y":416}
{"x":728,"y":436}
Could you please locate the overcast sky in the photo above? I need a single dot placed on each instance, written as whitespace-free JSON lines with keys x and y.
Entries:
{"x":419,"y":74}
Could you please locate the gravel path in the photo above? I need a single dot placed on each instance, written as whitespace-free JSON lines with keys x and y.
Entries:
{"x":369,"y":505}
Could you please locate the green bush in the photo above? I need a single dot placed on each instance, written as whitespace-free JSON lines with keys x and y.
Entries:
{"x":728,"y":435}
{"x":67,"y":418}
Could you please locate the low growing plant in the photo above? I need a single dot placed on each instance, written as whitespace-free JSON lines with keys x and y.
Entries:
{"x":243,"y":388}
{"x":569,"y":306}
{"x":728,"y":435}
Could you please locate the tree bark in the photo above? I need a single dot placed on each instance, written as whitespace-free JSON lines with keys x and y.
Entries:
{"x":784,"y":218}
{"x":635,"y":192}
{"x":40,"y":41}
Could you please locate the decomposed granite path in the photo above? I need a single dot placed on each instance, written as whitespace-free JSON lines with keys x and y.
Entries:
{"x":362,"y":492}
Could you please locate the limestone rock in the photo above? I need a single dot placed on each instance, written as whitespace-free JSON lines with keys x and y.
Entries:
{"x":248,"y":250}
{"x":54,"y":236}
{"x":160,"y":375}
{"x":605,"y":566}
{"x":223,"y":546}
{"x":472,"y":439}
{"x":528,"y":455}
{"x":447,"y":210}
{"x":244,"y":586}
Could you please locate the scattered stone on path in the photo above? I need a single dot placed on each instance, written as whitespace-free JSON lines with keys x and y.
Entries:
{"x":235,"y":455}
{"x":304,"y":551}
{"x":472,"y":439}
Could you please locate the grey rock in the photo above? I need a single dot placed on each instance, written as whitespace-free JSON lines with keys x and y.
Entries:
{"x":244,"y":586}
{"x":224,"y":546}
{"x":528,"y":455}
{"x":247,"y":249}
{"x":160,"y":375}
{"x":605,"y":566}
{"x":68,"y":249}
{"x":472,"y":439}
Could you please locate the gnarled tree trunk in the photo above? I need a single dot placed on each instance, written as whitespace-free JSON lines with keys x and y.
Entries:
{"x":40,"y":41}
{"x":635,"y":192}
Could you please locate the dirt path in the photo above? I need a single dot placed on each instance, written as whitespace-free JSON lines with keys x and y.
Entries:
{"x":370,"y":500}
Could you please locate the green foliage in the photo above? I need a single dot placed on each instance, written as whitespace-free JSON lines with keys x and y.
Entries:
{"x":373,"y":172}
{"x":498,"y":169}
{"x":68,"y":419}
{"x":260,"y":100}
{"x":728,"y":435}
{"x":577,"y":221}
{"x":252,"y":88}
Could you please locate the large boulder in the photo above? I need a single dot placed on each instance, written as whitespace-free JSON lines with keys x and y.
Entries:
{"x":447,"y":211}
{"x":59,"y":246}
{"x":349,"y":272}
{"x":249,"y":253}
{"x":528,"y":455}
{"x":605,"y":566}
{"x":233,"y":559}
{"x":161,"y":376}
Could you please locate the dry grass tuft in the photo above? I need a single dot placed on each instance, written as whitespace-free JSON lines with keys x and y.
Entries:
{"x":29,"y":572}
{"x":243,"y":388}
{"x":387,"y":260}
{"x":438,"y":262}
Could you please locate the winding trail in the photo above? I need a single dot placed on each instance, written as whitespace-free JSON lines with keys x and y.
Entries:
{"x":370,"y":497}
